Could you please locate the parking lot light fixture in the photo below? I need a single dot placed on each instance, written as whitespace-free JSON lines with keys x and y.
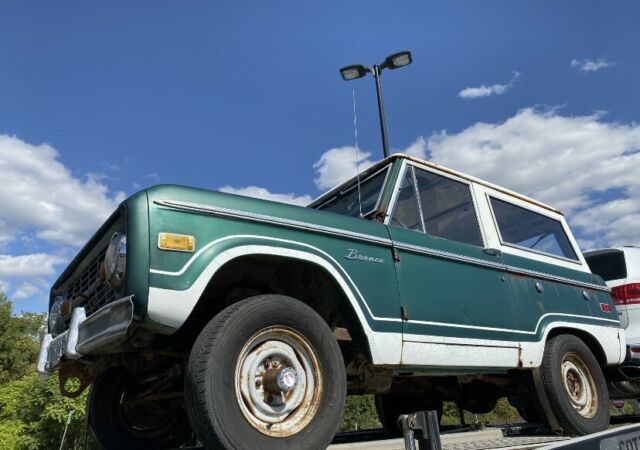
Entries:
{"x":355,"y":71}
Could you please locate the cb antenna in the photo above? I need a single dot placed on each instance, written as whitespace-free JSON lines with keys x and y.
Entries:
{"x":357,"y":160}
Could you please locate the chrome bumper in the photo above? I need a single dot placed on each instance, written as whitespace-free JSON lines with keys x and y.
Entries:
{"x":86,"y":335}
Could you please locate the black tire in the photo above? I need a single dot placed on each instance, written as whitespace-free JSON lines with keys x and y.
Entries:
{"x":243,"y":333}
{"x":582,"y":375}
{"x":390,"y":406}
{"x":623,"y":390}
{"x":116,"y":425}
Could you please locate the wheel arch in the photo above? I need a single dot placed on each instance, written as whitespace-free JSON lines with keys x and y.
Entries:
{"x":303,"y":276}
{"x":589,"y":339}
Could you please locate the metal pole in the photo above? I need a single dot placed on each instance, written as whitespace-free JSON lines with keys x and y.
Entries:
{"x":383,"y":125}
{"x":64,"y":435}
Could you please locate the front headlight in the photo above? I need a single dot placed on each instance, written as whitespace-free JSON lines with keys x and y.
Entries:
{"x":115,"y":260}
{"x":55,"y":318}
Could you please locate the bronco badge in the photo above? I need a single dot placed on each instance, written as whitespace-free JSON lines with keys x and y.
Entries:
{"x":353,"y":254}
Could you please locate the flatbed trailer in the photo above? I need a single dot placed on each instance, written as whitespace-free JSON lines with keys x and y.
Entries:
{"x":624,"y":434}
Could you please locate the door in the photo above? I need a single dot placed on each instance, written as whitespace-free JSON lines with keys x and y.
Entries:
{"x":456,"y":306}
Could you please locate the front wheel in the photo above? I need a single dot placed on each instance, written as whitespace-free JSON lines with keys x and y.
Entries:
{"x":575,"y":386}
{"x":265,"y":373}
{"x":119,"y":418}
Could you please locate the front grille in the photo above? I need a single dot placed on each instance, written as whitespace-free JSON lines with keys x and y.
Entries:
{"x":88,"y":291}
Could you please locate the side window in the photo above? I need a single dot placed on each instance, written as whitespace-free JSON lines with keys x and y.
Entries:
{"x":406,"y":213}
{"x":525,"y":228}
{"x":447,"y":208}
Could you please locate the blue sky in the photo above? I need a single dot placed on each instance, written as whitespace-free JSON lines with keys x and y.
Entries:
{"x":115,"y":96}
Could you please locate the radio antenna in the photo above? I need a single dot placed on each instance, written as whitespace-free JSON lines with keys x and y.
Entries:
{"x":357,"y":161}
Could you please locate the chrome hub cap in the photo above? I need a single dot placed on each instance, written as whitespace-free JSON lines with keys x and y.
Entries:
{"x":278,"y":382}
{"x":579,"y":385}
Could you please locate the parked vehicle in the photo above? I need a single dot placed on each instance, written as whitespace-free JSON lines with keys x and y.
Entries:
{"x":250,"y":320}
{"x":620,"y":268}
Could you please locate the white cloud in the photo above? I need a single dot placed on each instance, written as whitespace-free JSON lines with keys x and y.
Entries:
{"x":339,"y":164}
{"x":589,"y":65}
{"x":31,"y":289}
{"x":580,"y":164}
{"x":36,"y":265}
{"x":41,"y":195}
{"x":258,"y":192}
{"x":486,"y":91}
{"x":4,"y":286}
{"x":417,"y":149}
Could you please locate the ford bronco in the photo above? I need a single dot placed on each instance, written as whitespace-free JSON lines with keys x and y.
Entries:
{"x":248,"y":321}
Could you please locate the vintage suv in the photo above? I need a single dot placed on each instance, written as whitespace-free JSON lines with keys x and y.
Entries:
{"x":249,"y":321}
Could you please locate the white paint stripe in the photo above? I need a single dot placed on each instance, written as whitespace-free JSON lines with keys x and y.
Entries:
{"x":383,"y":319}
{"x":171,"y":308}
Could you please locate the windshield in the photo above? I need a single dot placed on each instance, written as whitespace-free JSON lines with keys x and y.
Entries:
{"x":346,"y":201}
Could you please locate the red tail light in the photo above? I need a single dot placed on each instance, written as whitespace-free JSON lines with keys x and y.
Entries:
{"x":626,"y":294}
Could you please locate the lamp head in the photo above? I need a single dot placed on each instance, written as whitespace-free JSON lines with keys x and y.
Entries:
{"x":398,"y":60}
{"x":353,"y":72}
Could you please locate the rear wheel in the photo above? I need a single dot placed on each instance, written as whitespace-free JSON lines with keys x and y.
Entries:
{"x":390,"y":406}
{"x":575,"y":386}
{"x":119,"y":419}
{"x":266,"y":373}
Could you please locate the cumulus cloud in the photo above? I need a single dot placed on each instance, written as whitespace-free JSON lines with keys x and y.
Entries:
{"x":39,"y":194}
{"x":339,"y":164}
{"x":259,"y":192}
{"x":486,"y":91}
{"x":581,"y":164}
{"x":36,"y":265}
{"x":589,"y":65}
{"x":417,"y":149}
{"x":31,"y":289}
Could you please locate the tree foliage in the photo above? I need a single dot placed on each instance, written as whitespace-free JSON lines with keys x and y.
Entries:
{"x":33,"y":414}
{"x":19,"y":340}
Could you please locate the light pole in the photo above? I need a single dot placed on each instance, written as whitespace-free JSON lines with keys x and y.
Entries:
{"x":356,"y":71}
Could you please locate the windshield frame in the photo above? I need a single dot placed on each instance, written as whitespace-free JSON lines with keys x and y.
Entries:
{"x":348,"y":187}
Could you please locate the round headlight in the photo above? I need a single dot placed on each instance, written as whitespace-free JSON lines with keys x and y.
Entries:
{"x":115,"y":260}
{"x":55,"y":318}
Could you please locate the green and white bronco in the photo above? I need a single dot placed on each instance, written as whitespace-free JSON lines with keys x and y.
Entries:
{"x":248,"y":321}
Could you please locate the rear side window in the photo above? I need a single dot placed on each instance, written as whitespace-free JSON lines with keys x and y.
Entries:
{"x":610,"y":266}
{"x":532,"y":231}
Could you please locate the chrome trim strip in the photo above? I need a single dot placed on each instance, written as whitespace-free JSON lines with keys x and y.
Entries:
{"x":262,"y":218}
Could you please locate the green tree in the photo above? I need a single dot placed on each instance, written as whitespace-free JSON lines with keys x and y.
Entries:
{"x":33,"y":413}
{"x":19,"y":341}
{"x":360,"y":413}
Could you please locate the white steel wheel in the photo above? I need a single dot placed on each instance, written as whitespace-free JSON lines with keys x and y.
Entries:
{"x":579,"y":385}
{"x":265,"y":373}
{"x":574,"y":387}
{"x":278,"y":381}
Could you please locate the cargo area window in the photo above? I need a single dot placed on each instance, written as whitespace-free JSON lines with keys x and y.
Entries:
{"x":530,"y":230}
{"x":437,"y":205}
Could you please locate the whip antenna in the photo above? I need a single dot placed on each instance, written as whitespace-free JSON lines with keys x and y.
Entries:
{"x":357,"y":161}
